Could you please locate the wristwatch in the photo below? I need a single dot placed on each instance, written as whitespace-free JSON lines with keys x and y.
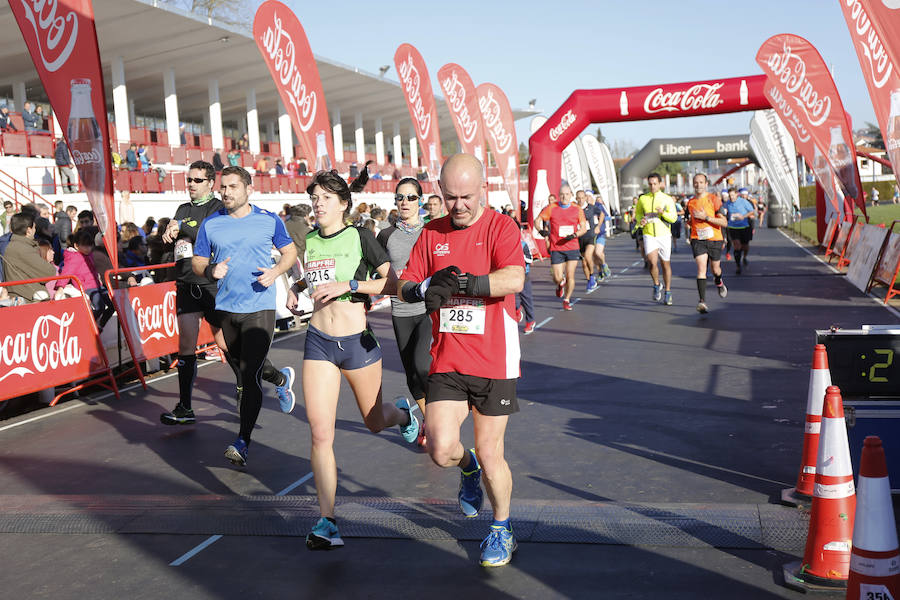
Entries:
{"x":354,"y":285}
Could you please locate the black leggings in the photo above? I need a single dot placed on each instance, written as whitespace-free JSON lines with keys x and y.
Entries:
{"x":248,"y":337}
{"x":414,"y":341}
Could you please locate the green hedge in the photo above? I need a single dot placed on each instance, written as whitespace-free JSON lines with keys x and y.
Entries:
{"x":885,"y":192}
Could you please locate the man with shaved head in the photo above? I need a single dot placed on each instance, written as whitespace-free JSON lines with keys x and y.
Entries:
{"x":467,"y":266}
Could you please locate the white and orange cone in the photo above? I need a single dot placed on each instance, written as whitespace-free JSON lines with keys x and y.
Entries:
{"x":819,"y":380}
{"x":826,"y":560}
{"x":875,"y":559}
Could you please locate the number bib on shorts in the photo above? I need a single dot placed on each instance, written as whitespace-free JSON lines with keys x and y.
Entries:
{"x":565,"y":230}
{"x":183,"y":249}
{"x":705,"y":233}
{"x":319,"y":272}
{"x":463,"y":315}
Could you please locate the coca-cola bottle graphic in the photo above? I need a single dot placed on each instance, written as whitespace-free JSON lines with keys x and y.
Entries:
{"x":623,"y":104}
{"x":435,"y":164}
{"x":86,"y":143}
{"x":745,"y":93}
{"x":892,"y":143}
{"x":323,"y":161}
{"x":843,"y":161}
{"x":541,"y":197}
{"x":823,"y":174}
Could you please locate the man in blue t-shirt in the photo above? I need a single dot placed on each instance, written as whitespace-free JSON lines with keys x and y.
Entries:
{"x":602,"y":216}
{"x":234,"y":248}
{"x":739,"y":211}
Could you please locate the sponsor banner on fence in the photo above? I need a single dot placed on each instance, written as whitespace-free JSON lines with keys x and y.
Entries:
{"x":422,"y":107}
{"x":865,"y":255}
{"x":47,"y":344}
{"x":890,"y":259}
{"x":286,"y":51}
{"x":773,"y":146}
{"x":62,"y":42}
{"x":799,"y":75}
{"x":500,"y":130}
{"x":462,"y":100}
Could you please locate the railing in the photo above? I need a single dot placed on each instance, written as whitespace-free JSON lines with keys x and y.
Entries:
{"x":18,"y":192}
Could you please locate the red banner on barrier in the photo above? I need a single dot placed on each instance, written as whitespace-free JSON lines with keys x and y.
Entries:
{"x":501,"y":135}
{"x":462,"y":100}
{"x":286,"y":51}
{"x":799,"y":75}
{"x":422,"y":107}
{"x":62,"y":41}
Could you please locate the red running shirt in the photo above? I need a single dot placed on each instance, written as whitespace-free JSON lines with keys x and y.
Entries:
{"x":491,"y":243}
{"x":562,"y":221}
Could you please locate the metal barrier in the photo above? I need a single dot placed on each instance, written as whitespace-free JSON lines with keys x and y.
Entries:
{"x":888,"y":265}
{"x":51,"y":343}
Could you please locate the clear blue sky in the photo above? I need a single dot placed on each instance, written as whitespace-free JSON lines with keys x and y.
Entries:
{"x":544,"y":50}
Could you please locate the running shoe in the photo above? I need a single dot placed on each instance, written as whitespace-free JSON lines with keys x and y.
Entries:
{"x":237,"y":452}
{"x":561,"y":288}
{"x":737,"y":270}
{"x":744,"y":260}
{"x":728,"y":256}
{"x":668,"y":298}
{"x":723,"y":291}
{"x":470,"y":495}
{"x":179,"y":416}
{"x":324,"y":536}
{"x":592,"y":283}
{"x":702,"y":308}
{"x":529,"y":327}
{"x":410,"y":431}
{"x":605,"y":270}
{"x":520,"y":316}
{"x":498,"y":547}
{"x":285,"y":392}
{"x":567,"y":305}
{"x":657,"y":292}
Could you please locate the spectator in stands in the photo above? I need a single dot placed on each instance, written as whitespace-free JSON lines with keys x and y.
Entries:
{"x":135,"y":254}
{"x":6,"y":123}
{"x":40,"y":121}
{"x":279,"y":167}
{"x":393,"y":216}
{"x":217,"y":163}
{"x":354,"y":170}
{"x":379,"y":215}
{"x":22,"y":258}
{"x":127,"y":232}
{"x":131,"y":158}
{"x":65,"y":166}
{"x":148,"y":228}
{"x":302,"y":167}
{"x":143,"y":159}
{"x":115,"y":157}
{"x":29,"y":118}
{"x":422,"y":175}
{"x":244,"y":143}
{"x":262,"y":166}
{"x":182,"y":136}
{"x":359,"y":215}
{"x":81,"y":261}
{"x":86,"y":219}
{"x":8,"y":211}
{"x":62,"y":224}
{"x":298,"y":226}
{"x":376,"y":176}
{"x":234,"y":158}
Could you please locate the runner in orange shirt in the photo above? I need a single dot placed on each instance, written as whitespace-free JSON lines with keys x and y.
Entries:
{"x":707,"y":218}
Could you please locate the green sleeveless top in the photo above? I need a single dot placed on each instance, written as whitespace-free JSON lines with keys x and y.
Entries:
{"x":351,"y":253}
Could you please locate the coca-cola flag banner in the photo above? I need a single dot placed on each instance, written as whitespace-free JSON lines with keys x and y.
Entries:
{"x":799,"y":74}
{"x":500,"y":130}
{"x":422,"y":108}
{"x":875,"y":29}
{"x":62,"y":41}
{"x":459,"y":93}
{"x":612,"y":196}
{"x":285,"y":50}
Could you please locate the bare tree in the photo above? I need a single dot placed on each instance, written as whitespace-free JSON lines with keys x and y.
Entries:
{"x":233,"y":12}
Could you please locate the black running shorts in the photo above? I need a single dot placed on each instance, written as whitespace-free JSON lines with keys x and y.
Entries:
{"x":490,"y":397}
{"x":712,"y":248}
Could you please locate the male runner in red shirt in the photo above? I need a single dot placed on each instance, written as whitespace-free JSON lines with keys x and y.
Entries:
{"x":563,"y":223}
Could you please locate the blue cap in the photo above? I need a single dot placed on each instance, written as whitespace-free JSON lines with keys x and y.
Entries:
{"x":743,"y":191}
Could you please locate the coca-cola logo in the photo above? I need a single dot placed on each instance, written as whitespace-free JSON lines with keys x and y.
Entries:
{"x":696,"y":97}
{"x":157,"y":321}
{"x":564,"y":123}
{"x":880,"y":65}
{"x":788,"y":115}
{"x":47,"y":346}
{"x":456,"y":98}
{"x":490,"y":112}
{"x":282,"y":54}
{"x":55,"y":35}
{"x":409,"y":76}
{"x":789,"y":69}
{"x":81,"y":157}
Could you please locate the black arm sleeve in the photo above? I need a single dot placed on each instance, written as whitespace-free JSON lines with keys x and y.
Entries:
{"x":373,"y":254}
{"x":384,"y":235}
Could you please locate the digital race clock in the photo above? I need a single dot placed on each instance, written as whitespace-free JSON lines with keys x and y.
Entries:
{"x":864,"y":362}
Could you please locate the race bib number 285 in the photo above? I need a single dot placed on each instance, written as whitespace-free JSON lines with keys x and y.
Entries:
{"x":463,"y":315}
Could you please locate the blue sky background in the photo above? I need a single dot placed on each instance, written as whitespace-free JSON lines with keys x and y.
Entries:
{"x":544,"y":50}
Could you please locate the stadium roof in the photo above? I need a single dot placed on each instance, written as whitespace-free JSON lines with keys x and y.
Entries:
{"x":151,"y":37}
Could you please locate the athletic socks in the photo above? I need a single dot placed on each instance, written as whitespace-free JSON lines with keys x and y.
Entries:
{"x":718,"y":279}
{"x":737,"y":256}
{"x":187,"y":372}
{"x":701,"y":288}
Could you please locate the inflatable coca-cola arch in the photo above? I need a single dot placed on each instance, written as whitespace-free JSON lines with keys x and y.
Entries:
{"x":585,"y":107}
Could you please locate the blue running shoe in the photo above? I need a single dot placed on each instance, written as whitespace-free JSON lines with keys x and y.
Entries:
{"x":668,"y":298}
{"x":470,"y":495}
{"x":285,"y":391}
{"x":498,"y":547}
{"x":657,"y":292}
{"x":237,"y":452}
{"x":592,"y":283}
{"x":409,"y":432}
{"x":324,"y":536}
{"x":605,"y":270}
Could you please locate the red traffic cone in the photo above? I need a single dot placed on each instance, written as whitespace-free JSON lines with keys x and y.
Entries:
{"x":826,"y":561}
{"x":875,"y":560}
{"x":819,"y":380}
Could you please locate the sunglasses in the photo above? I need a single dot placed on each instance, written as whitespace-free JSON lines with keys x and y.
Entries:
{"x":408,"y":198}
{"x":196,"y":179}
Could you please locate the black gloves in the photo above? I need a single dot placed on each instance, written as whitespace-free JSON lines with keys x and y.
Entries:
{"x":569,"y":237}
{"x":545,"y":233}
{"x":444,"y":284}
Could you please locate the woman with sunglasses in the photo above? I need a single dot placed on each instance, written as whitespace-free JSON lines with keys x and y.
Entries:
{"x":338,"y":262}
{"x":412,"y":327}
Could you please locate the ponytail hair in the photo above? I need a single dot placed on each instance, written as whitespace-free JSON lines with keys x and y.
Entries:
{"x":334,"y":183}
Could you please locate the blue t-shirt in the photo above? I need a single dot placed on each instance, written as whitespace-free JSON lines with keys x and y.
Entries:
{"x":740,"y":206}
{"x":599,"y":209}
{"x":248,"y":242}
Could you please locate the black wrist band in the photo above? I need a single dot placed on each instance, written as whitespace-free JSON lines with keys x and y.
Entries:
{"x":412,"y":293}
{"x":208,"y":271}
{"x":475,"y":285}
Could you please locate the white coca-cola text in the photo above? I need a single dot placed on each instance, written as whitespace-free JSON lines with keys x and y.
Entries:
{"x":696,"y":97}
{"x":567,"y":119}
{"x":156,"y":321}
{"x":82,"y":157}
{"x":456,"y":97}
{"x":409,"y":77}
{"x":55,"y":35}
{"x":47,"y":346}
{"x":490,"y":112}
{"x":282,"y":52}
{"x":788,"y":115}
{"x":880,"y":64}
{"x":790,"y":70}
